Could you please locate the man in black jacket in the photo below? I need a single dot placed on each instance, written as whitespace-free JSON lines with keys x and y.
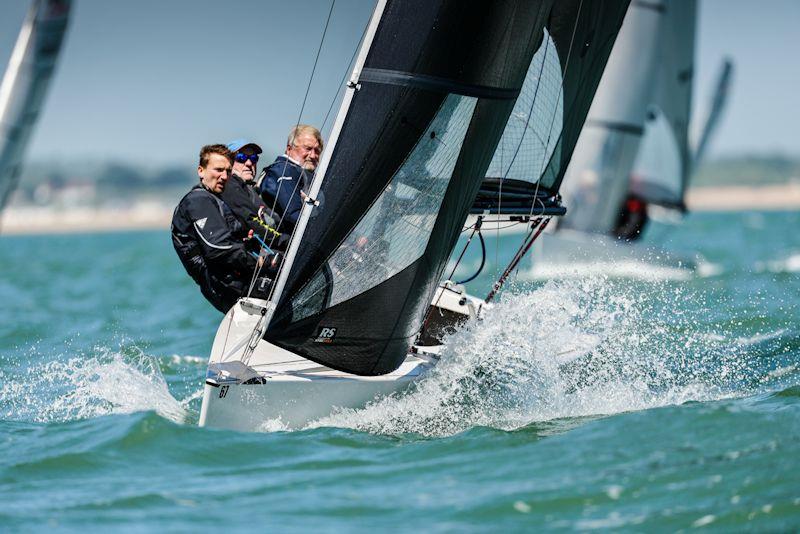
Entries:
{"x":211,"y":243}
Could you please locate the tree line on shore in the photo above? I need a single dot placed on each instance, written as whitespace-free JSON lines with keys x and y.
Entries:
{"x":122,"y":179}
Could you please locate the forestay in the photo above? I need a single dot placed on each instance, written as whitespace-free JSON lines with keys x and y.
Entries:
{"x":437,"y":86}
{"x":25,"y":84}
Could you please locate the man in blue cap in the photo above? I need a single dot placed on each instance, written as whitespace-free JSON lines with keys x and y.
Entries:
{"x":240,"y":194}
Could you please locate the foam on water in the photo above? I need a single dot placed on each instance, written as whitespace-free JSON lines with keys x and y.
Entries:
{"x":632,"y":269}
{"x":628,"y":350}
{"x":790,"y":264}
{"x":81,"y":387}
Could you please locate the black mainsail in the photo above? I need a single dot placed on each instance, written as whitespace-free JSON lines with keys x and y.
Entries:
{"x":439,"y":81}
{"x":25,"y":84}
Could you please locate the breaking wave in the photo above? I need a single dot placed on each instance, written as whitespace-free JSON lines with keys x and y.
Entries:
{"x":81,"y":387}
{"x":632,"y":269}
{"x":572,"y":348}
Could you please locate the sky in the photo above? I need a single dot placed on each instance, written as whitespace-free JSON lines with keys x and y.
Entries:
{"x":151,"y":81}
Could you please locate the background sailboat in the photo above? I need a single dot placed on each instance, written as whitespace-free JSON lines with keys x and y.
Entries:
{"x":25,"y":84}
{"x":635,"y":150}
{"x":429,"y":100}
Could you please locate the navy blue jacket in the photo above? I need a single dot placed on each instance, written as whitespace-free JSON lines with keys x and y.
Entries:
{"x":281,"y":186}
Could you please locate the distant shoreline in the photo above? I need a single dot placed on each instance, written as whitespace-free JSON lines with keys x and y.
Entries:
{"x":744,"y":198}
{"x":154,"y":216}
{"x":47,"y":220}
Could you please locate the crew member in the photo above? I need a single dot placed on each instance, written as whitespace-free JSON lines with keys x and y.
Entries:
{"x":212,"y":244}
{"x":632,"y":219}
{"x":242,"y":196}
{"x":286,"y":181}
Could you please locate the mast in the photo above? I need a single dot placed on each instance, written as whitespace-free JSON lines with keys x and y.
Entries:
{"x":316,"y":184}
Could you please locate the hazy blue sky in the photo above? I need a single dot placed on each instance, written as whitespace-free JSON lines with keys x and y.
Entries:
{"x":157,"y":79}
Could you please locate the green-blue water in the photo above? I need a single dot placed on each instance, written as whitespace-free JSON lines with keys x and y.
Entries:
{"x":684,"y":414}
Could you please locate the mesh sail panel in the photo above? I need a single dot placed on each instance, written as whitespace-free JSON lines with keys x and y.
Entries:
{"x":395,"y":230}
{"x":584,"y":34}
{"x":534,"y":126}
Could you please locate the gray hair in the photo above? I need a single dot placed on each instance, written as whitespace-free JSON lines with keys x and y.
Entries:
{"x":304,"y":129}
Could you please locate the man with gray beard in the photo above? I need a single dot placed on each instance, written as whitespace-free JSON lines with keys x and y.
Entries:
{"x":286,"y":181}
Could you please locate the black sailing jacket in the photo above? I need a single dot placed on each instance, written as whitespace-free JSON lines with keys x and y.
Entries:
{"x":244,"y":201}
{"x":209,"y":241}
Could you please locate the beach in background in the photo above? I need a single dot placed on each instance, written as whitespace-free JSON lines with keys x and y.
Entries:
{"x":150,"y":214}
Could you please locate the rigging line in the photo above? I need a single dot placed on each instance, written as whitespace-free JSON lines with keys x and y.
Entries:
{"x":316,"y":60}
{"x":483,"y":262}
{"x":257,"y":270}
{"x":475,"y":228}
{"x":560,"y":94}
{"x":344,"y":76}
{"x":305,"y":99}
{"x":541,"y":223}
{"x":516,"y":151}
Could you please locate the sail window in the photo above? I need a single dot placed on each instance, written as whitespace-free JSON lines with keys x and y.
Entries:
{"x":395,"y":230}
{"x":657,"y":176}
{"x":534,"y":128}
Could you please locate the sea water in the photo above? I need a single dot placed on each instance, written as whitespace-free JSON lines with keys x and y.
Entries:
{"x":624,"y":397}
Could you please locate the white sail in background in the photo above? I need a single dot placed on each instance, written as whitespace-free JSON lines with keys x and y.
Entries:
{"x":662,"y":169}
{"x":25,"y":84}
{"x":597,"y":179}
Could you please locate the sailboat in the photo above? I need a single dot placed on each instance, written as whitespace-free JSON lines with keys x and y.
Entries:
{"x":423,"y":114}
{"x":635,"y":151}
{"x":25,"y":84}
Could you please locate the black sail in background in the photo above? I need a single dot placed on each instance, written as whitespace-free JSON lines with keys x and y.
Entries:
{"x":439,"y":82}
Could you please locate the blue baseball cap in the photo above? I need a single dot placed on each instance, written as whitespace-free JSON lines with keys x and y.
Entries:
{"x":238,"y":144}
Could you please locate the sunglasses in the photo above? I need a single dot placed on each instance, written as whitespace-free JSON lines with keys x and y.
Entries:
{"x":241,"y":157}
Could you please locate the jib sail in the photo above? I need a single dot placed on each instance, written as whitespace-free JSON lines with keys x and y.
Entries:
{"x":664,"y":164}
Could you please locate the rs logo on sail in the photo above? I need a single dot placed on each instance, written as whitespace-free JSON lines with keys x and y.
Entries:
{"x":326,"y":335}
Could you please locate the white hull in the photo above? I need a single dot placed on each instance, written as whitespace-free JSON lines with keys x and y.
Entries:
{"x":276,"y":389}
